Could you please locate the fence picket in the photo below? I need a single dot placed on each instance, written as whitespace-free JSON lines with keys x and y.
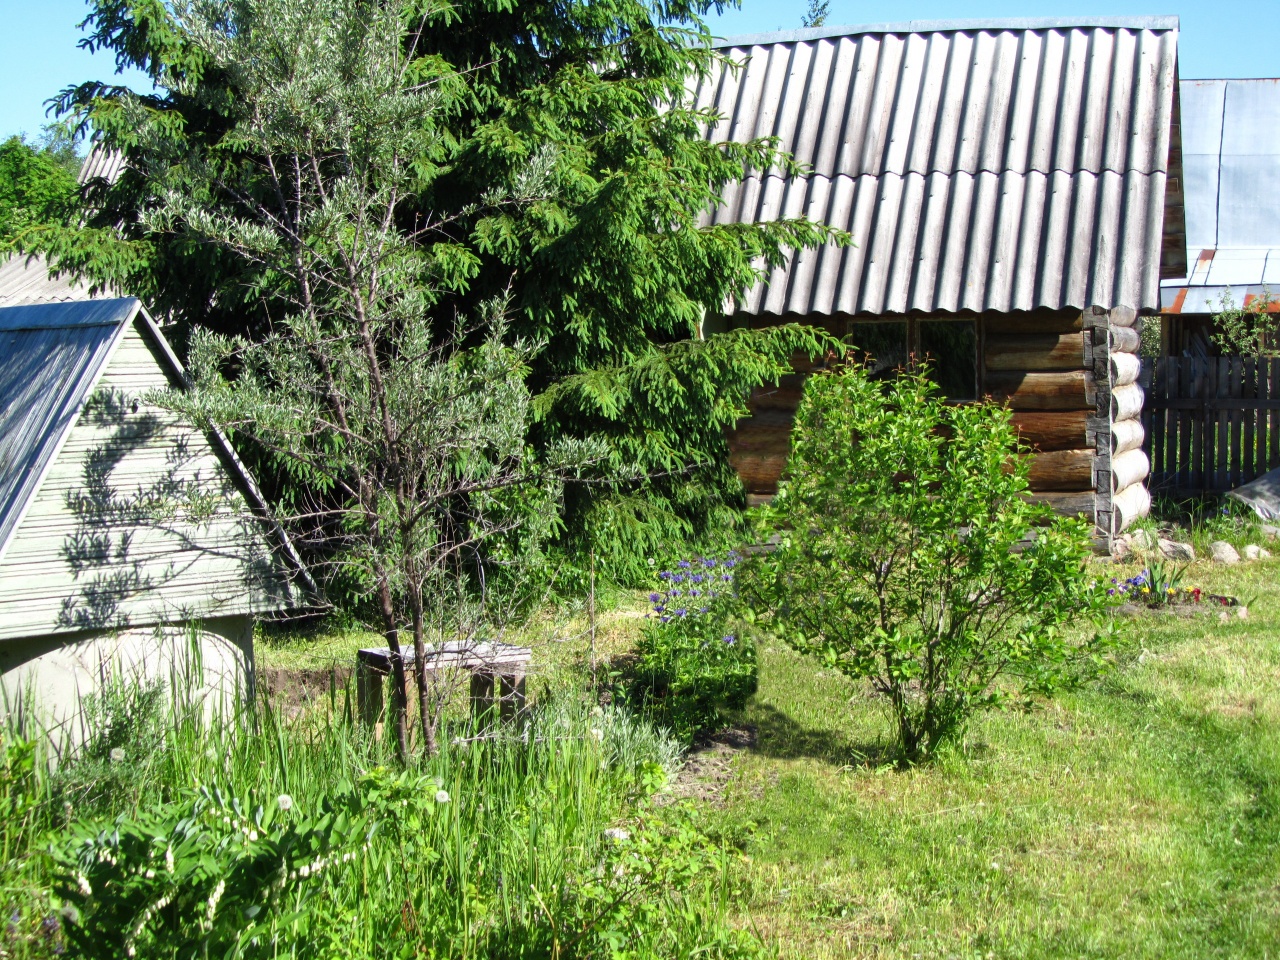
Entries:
{"x":1211,"y":424}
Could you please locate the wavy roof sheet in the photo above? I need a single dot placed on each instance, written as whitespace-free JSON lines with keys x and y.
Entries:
{"x":979,"y":165}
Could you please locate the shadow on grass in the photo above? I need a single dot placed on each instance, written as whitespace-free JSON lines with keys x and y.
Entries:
{"x":780,"y":737}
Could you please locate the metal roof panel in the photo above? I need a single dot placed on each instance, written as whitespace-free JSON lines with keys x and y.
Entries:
{"x":54,"y":354}
{"x":978,"y":165}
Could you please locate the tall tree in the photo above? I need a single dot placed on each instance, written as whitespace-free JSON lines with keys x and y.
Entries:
{"x":612,"y":269}
{"x":403,"y":418}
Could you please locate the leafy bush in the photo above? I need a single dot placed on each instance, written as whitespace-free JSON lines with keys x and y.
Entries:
{"x":204,"y":876}
{"x":909,"y":554}
{"x":694,"y":659}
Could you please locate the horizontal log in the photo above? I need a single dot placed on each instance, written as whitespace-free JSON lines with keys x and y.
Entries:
{"x":1128,"y":505}
{"x":1068,"y":504}
{"x":1113,"y":317}
{"x":784,"y":395}
{"x":1126,"y":402}
{"x":1129,"y":468}
{"x":1125,"y":368}
{"x":1061,"y":470}
{"x":1070,"y":390}
{"x":1125,"y":340}
{"x":1065,"y":430}
{"x":760,"y":435}
{"x":1036,"y":351}
{"x":1026,"y":323}
{"x":759,"y":473}
{"x":1126,"y":435}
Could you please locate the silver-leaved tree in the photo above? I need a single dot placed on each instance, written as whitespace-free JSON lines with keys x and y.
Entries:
{"x":405,"y":423}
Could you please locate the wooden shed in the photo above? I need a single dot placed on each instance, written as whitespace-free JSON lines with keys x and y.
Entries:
{"x":132,"y":545}
{"x":1012,"y":190}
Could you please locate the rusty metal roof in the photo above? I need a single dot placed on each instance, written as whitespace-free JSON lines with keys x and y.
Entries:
{"x":979,"y":165}
{"x":1231,"y":161}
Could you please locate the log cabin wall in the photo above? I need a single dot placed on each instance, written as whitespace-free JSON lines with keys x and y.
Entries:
{"x":1069,"y":376}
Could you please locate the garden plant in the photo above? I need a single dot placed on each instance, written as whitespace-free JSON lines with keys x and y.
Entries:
{"x":909,"y":554}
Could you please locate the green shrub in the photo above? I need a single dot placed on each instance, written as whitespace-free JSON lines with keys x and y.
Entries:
{"x":694,"y":659}
{"x":909,"y":554}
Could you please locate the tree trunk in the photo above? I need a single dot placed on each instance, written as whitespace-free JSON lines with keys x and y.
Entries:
{"x":398,"y":679}
{"x":425,"y":714}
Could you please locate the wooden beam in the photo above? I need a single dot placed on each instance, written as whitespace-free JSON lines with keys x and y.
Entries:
{"x":1039,"y":351}
{"x":1062,"y":470}
{"x":1069,"y":321}
{"x":1069,"y":390}
{"x":1043,"y":431}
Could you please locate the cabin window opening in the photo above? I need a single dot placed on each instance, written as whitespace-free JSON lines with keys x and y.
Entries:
{"x":950,"y":346}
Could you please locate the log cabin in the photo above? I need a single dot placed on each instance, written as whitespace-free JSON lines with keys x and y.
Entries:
{"x":134,"y":547}
{"x":1012,"y":193}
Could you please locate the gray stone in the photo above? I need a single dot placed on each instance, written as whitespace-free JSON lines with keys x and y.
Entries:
{"x":1144,"y":540}
{"x":1121,"y":548}
{"x":1255,"y":552}
{"x":1223,"y":552}
{"x":1174,"y":550}
{"x":1269,"y":531}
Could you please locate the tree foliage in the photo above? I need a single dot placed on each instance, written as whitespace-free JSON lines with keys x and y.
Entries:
{"x":37,"y":188}
{"x":613,"y":264}
{"x":904,"y":558}
{"x":402,"y":421}
{"x":1248,"y":330}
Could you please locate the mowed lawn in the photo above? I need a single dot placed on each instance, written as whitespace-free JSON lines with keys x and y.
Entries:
{"x":1138,"y":817}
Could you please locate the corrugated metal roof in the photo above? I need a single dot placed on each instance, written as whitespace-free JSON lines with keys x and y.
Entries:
{"x":26,"y":280}
{"x":103,"y":163}
{"x":1231,"y":162}
{"x":53,"y":355}
{"x":980,"y":165}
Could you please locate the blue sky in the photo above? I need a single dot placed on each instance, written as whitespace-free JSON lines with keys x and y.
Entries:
{"x":1226,"y":38}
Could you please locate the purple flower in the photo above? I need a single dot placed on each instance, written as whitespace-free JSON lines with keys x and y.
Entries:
{"x":658,"y":607}
{"x":697,"y":577}
{"x":709,"y":562}
{"x":665,"y":575}
{"x":677,"y":578}
{"x":675,"y":593}
{"x":654,"y":598}
{"x":704,"y":609}
{"x":684,"y":564}
{"x":695,"y":593}
{"x":681,"y":612}
{"x":664,"y":619}
{"x":729,"y":640}
{"x":726,"y":576}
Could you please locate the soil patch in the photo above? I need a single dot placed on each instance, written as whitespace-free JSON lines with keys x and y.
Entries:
{"x":708,"y":768}
{"x":293,"y":689}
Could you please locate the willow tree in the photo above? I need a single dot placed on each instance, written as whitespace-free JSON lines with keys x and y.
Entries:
{"x":611,"y":267}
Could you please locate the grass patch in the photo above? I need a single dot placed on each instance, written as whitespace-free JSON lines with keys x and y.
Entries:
{"x":1138,"y":817}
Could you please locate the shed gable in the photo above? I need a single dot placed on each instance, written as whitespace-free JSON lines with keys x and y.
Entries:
{"x":137,"y":521}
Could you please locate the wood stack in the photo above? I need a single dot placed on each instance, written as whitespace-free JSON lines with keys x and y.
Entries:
{"x":1071,"y":380}
{"x":1121,"y":466}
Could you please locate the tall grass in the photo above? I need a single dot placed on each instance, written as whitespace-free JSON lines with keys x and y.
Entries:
{"x":536,"y":842}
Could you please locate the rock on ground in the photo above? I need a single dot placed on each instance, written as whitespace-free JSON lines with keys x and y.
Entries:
{"x":1255,"y":552}
{"x":1223,"y":552}
{"x":1145,"y":540}
{"x":1173,"y":550}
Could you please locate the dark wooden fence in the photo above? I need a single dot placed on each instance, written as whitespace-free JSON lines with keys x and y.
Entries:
{"x":1211,"y":423}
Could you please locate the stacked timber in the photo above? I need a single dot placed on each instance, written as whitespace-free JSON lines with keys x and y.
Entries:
{"x":1121,"y":466}
{"x":1070,"y":379}
{"x":1037,"y":364}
